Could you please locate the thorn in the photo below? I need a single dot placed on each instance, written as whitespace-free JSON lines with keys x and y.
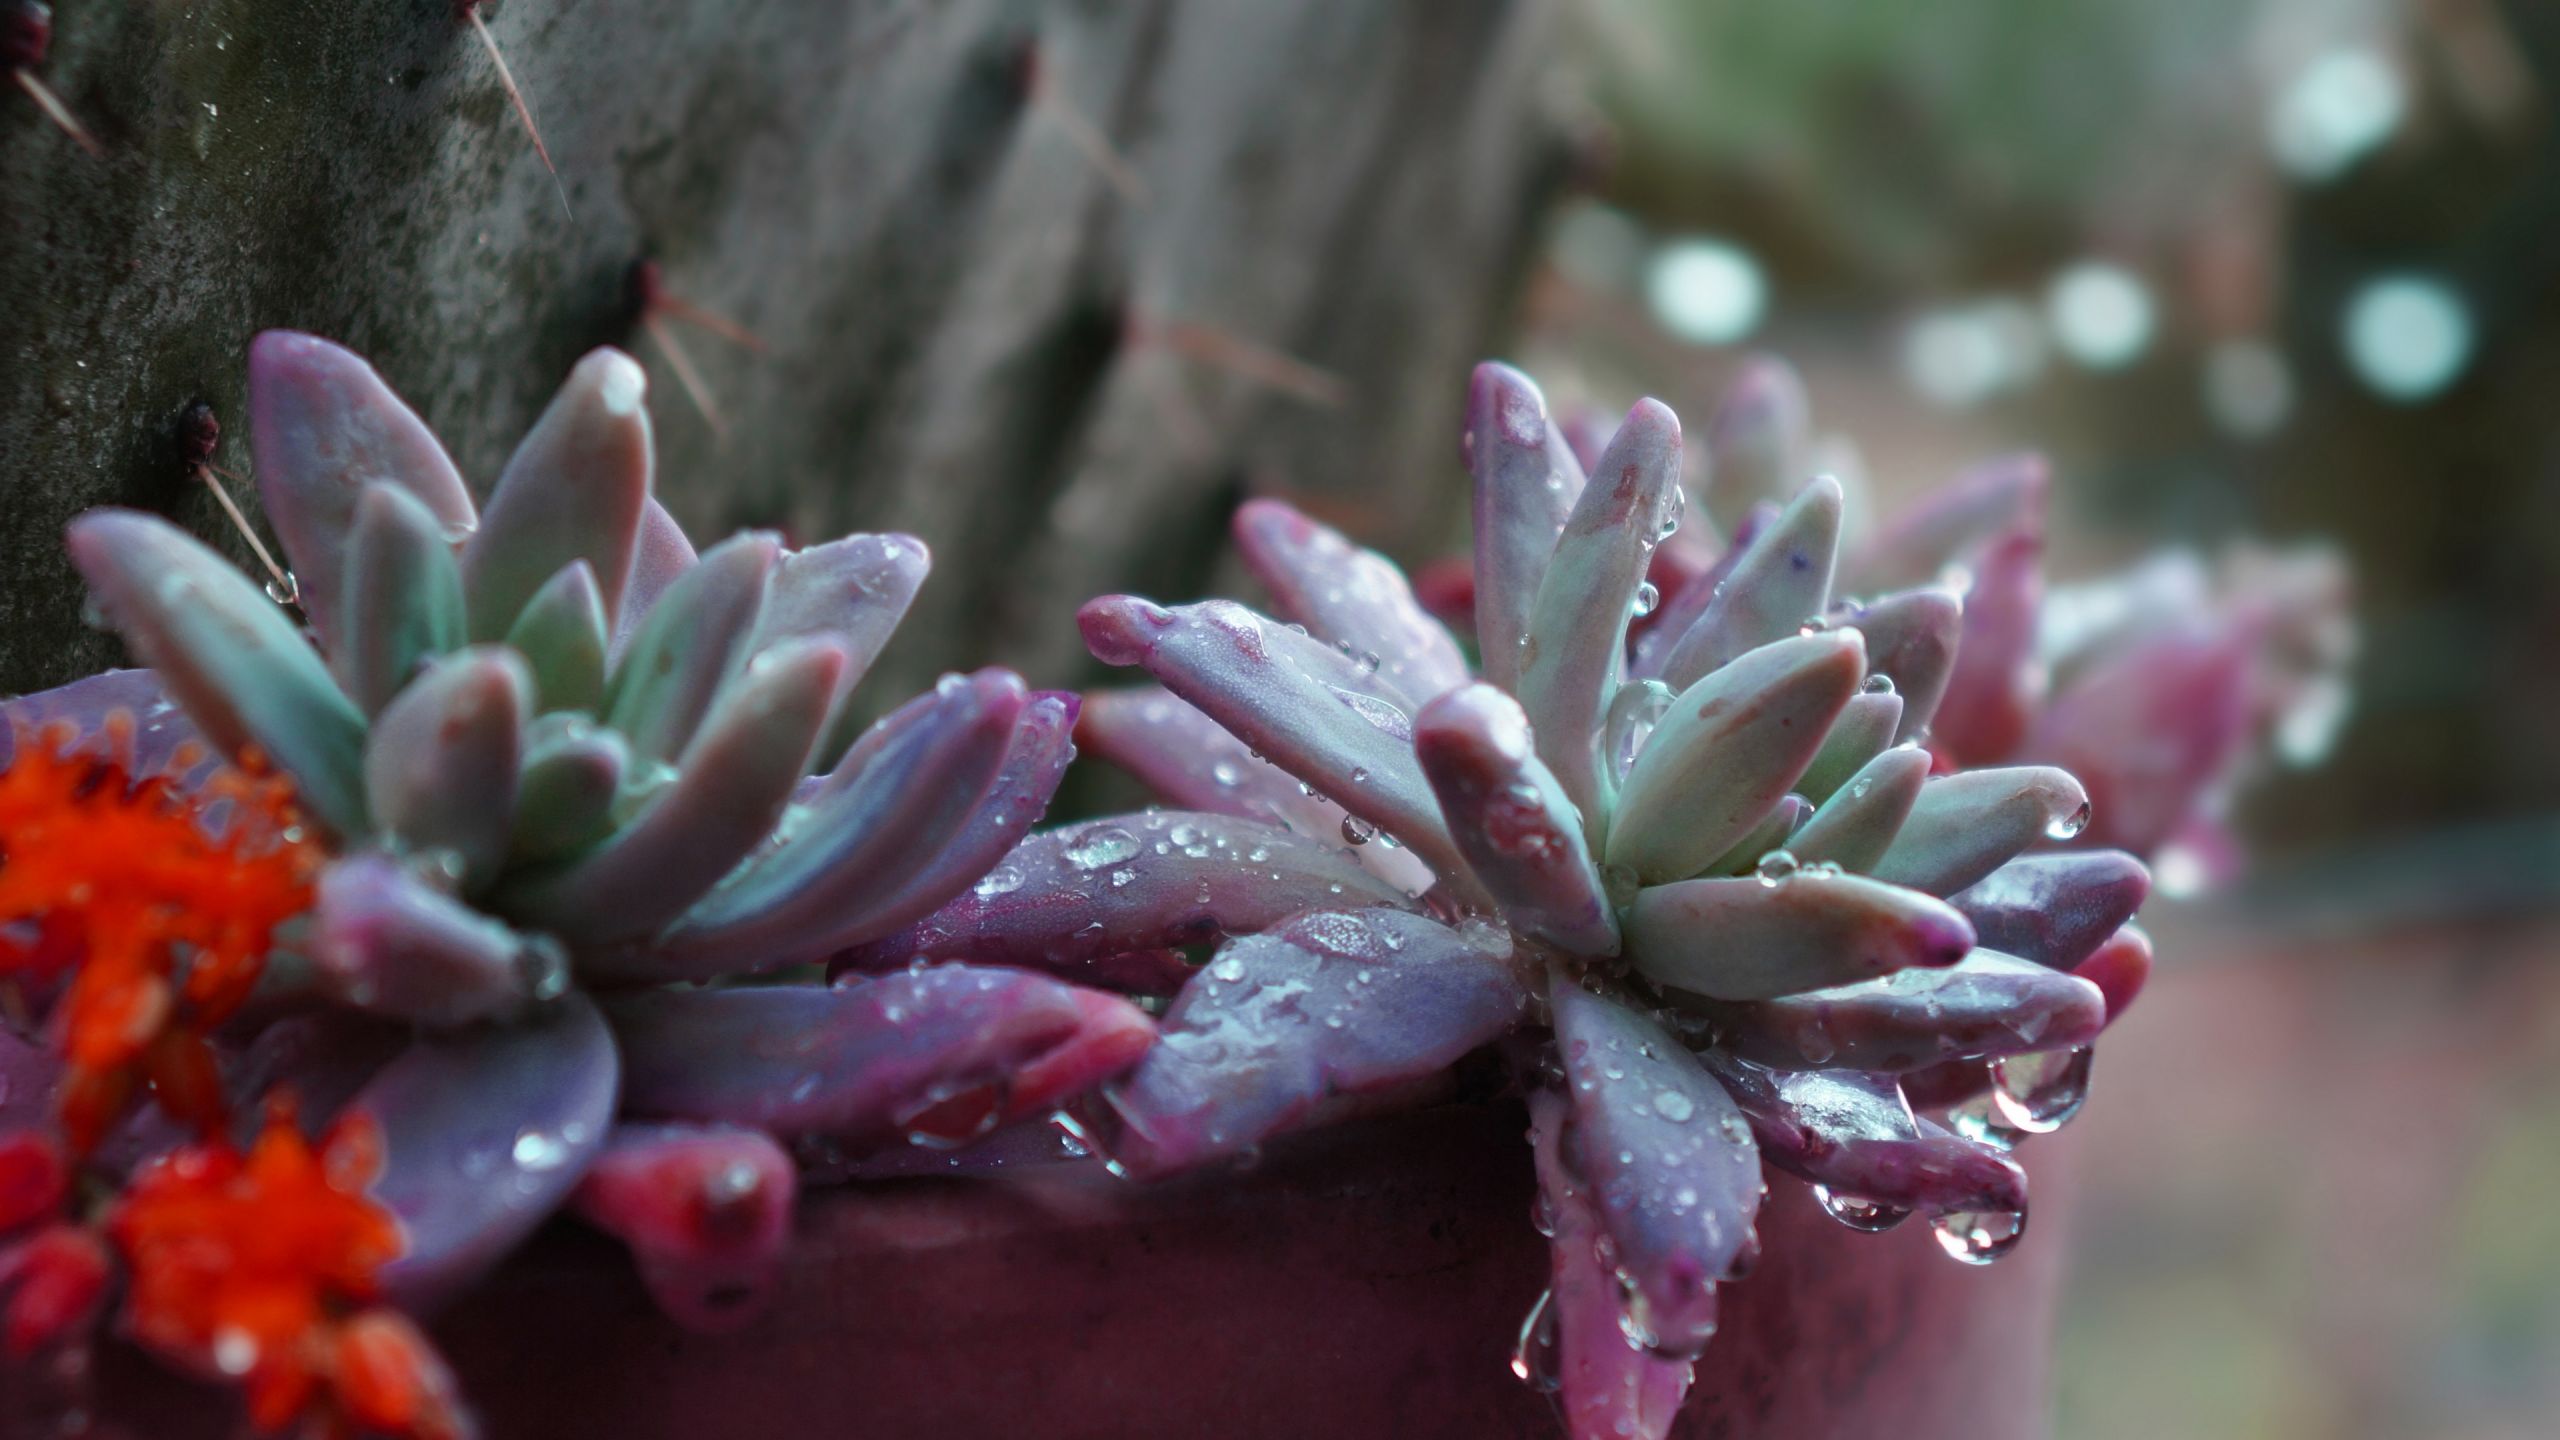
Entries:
{"x":650,"y":296}
{"x":26,"y":37}
{"x":59,"y":114}
{"x":682,"y":364}
{"x":515,"y":96}
{"x":200,"y":432}
{"x":1095,"y":146}
{"x":1238,"y":356}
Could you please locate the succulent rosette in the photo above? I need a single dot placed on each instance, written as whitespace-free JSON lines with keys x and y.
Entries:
{"x":1711,"y":862}
{"x":532,"y":786}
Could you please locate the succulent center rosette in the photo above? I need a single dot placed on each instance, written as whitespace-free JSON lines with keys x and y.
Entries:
{"x":552,"y":774}
{"x":1711,"y":862}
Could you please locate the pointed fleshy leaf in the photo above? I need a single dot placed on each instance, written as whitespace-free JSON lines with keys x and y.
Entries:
{"x":866,"y":1063}
{"x":1526,"y":483}
{"x":1355,"y":598}
{"x":574,"y":490}
{"x":1911,"y":641}
{"x":1607,"y":1388}
{"x":730,"y":788}
{"x":1781,"y":581}
{"x":485,"y":1132}
{"x":706,"y":1210}
{"x":1863,"y":731}
{"x":2119,"y":968}
{"x":323,"y":426}
{"x":1855,"y":827}
{"x":1759,"y":437}
{"x":1752,"y":937}
{"x":1192,"y":763}
{"x":383,"y":942}
{"x":2152,"y":730}
{"x":1771,"y":834}
{"x":229,"y":656}
{"x":1666,"y":1159}
{"x":693,"y":643}
{"x":1997,"y":682}
{"x":573,"y":769}
{"x":441,"y":763}
{"x":1985,"y":1005}
{"x":1966,"y":825}
{"x":1313,"y":710}
{"x":403,"y":601}
{"x":662,"y":557}
{"x":1512,"y":821}
{"x":2055,"y":909}
{"x":84,"y":707}
{"x":859,"y":845}
{"x":1569,"y":665}
{"x":1856,"y":1135}
{"x":853,"y":591}
{"x":1125,"y":883}
{"x":561,"y":636}
{"x":1946,"y":525}
{"x":1324,"y":1004}
{"x":1655,"y":635}
{"x":1728,"y":748}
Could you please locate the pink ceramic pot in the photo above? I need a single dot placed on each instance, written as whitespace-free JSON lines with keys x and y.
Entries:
{"x":1365,"y":1281}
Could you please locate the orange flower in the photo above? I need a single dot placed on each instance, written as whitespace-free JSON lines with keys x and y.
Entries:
{"x":163,"y":921}
{"x":258,"y":1267}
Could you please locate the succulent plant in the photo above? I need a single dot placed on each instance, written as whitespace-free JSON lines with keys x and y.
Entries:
{"x":453,"y":867}
{"x":1710,"y":863}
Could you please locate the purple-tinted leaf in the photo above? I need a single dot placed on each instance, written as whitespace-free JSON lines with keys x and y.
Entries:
{"x":1911,"y":641}
{"x":1728,"y":748}
{"x":1192,"y":763}
{"x":573,"y":769}
{"x":862,"y":843}
{"x":484,"y":1133}
{"x":1526,"y":482}
{"x":159,"y":727}
{"x":2119,"y":968}
{"x":1855,"y":1134}
{"x":1656,"y":634}
{"x":1136,"y":882}
{"x":1759,"y":936}
{"x":1759,"y":436}
{"x":323,"y":426}
{"x":1863,"y":731}
{"x":660,"y":559}
{"x":227,"y":654}
{"x":705,"y":1209}
{"x":1985,"y":1005}
{"x":2152,"y":730}
{"x":876,"y":1060}
{"x":730,"y":787}
{"x":853,"y":591}
{"x":1857,"y":824}
{"x":1966,"y":825}
{"x":1781,"y":581}
{"x":385,"y":943}
{"x":2055,"y":909}
{"x":1666,"y":1159}
{"x":1569,"y":664}
{"x":575,"y":489}
{"x":1324,"y":1004}
{"x":403,"y":597}
{"x":440,"y":764}
{"x":1607,"y":1388}
{"x":1773,"y":832}
{"x":561,"y":636}
{"x":1943,"y":528}
{"x":1313,"y":710}
{"x":693,"y":642}
{"x":1354,"y":598}
{"x":1997,"y":682}
{"x":1512,"y":821}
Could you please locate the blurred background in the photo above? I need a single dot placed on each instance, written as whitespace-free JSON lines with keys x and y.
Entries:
{"x":2281,"y":269}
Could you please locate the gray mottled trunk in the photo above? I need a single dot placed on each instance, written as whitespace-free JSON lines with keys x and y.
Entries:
{"x":976,"y":331}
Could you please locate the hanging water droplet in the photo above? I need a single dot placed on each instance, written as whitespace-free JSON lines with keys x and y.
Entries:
{"x":1356,"y":831}
{"x":2069,"y":826}
{"x":1982,"y":1121}
{"x":1673,"y":503}
{"x":1978,"y":1237}
{"x":1537,"y":1356}
{"x":1775,"y":867}
{"x":2040,"y":1093}
{"x":286,"y":591}
{"x":1648,"y":595}
{"x":1102,"y":845}
{"x":1858,"y":1212}
{"x":1877,"y":684}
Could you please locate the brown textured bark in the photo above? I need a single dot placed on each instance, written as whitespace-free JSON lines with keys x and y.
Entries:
{"x":974,"y":333}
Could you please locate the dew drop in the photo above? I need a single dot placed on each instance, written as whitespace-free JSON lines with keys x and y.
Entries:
{"x":1648,"y":596}
{"x":2040,"y":1093}
{"x":1775,"y":867}
{"x":1226,"y":774}
{"x":1673,"y":1106}
{"x":1982,"y":1121}
{"x":1356,"y":831}
{"x":537,"y":1151}
{"x":1102,"y":845}
{"x":285,"y":591}
{"x":1979,"y":1237}
{"x":1877,"y":684}
{"x":1002,"y":880}
{"x":1858,"y":1212}
{"x":2069,"y":826}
